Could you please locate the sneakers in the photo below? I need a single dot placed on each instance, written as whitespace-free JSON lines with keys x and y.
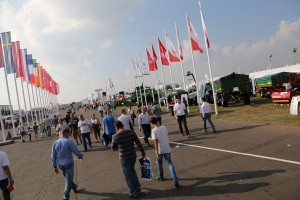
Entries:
{"x":158,"y":178}
{"x":134,"y":196}
{"x":75,"y":189}
{"x":176,"y":184}
{"x":188,"y":136}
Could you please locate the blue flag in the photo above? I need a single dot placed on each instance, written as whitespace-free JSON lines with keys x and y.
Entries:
{"x":8,"y":54}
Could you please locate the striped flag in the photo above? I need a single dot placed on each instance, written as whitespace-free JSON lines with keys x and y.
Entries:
{"x":17,"y":58}
{"x":25,"y":65}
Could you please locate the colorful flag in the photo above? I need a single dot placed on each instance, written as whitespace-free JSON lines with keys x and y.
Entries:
{"x":154,"y":57}
{"x":17,"y":59}
{"x":25,"y":65}
{"x":178,"y":44}
{"x":31,"y":65}
{"x":162,"y":51}
{"x":193,"y":37}
{"x":150,"y":61}
{"x":204,"y":27}
{"x":1,"y":54}
{"x":173,"y":54}
{"x":8,"y":55}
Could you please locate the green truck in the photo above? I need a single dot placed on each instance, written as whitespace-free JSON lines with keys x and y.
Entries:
{"x":232,"y":88}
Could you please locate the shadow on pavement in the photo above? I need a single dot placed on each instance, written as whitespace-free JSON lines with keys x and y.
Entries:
{"x":197,"y":189}
{"x":106,"y":195}
{"x":241,"y":128}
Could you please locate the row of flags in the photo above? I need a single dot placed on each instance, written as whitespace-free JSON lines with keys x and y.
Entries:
{"x":18,"y":61}
{"x":169,"y":53}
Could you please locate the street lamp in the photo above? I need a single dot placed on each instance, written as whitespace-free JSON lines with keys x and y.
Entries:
{"x":270,"y":57}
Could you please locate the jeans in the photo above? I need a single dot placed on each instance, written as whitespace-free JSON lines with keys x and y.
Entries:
{"x":130,"y":175}
{"x":84,"y":137}
{"x":48,"y":130}
{"x":68,"y":172}
{"x":169,"y":163}
{"x":3,"y":187}
{"x":182,"y":119}
{"x":208,"y":118}
{"x":147,"y":132}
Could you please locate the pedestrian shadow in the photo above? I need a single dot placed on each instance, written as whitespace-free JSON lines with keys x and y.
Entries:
{"x":223,"y":184}
{"x":241,"y":128}
{"x":106,"y":195}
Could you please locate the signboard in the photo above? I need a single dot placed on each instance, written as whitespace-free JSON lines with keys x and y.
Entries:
{"x":294,"y":108}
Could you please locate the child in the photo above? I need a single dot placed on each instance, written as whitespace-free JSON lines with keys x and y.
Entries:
{"x":42,"y":129}
{"x":35,"y":130}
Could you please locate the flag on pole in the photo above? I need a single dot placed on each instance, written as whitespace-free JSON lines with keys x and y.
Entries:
{"x":193,"y":36}
{"x":1,"y":55}
{"x":179,"y":44}
{"x":154,"y":57}
{"x":162,"y":51}
{"x":8,"y":57}
{"x":31,"y":65}
{"x":25,"y":65}
{"x":151,"y":64}
{"x":136,"y":73}
{"x":16,"y":57}
{"x":174,"y":57}
{"x":204,"y":27}
{"x":144,"y":68}
{"x":139,"y":69}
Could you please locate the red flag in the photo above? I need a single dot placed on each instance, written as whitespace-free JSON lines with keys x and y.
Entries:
{"x":193,"y":37}
{"x":150,"y":62}
{"x":178,"y":44}
{"x":154,"y":57}
{"x":1,"y":54}
{"x":173,"y":54}
{"x":204,"y":27}
{"x":162,"y":50}
{"x":16,"y":57}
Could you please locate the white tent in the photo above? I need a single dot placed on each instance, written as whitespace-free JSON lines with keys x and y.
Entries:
{"x":255,"y":75}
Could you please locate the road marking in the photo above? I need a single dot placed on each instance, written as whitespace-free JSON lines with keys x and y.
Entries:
{"x":238,"y":153}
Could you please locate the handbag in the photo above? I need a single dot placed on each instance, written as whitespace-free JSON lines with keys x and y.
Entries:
{"x":146,"y":170}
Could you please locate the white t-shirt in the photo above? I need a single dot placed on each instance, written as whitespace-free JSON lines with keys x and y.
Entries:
{"x":180,"y":109}
{"x":3,"y":162}
{"x":161,"y":134}
{"x":84,"y":126}
{"x":205,"y":108}
{"x":125,"y":119}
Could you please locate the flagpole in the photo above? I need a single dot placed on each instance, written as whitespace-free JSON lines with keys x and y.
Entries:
{"x":140,"y":73}
{"x":20,"y":115}
{"x":32,"y":120}
{"x":24,"y":103}
{"x":157,"y":88}
{"x":163,"y":76}
{"x":171,"y":74}
{"x":208,"y":59}
{"x":42,"y":104}
{"x":135,"y":86}
{"x":35,"y":103}
{"x":151,"y":87}
{"x":38,"y":105}
{"x":141,"y":91}
{"x":144,"y":92}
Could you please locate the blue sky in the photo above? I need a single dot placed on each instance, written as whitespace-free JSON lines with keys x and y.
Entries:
{"x":83,"y":43}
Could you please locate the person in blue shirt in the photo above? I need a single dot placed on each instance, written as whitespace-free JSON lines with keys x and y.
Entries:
{"x":109,"y":126}
{"x":62,"y":158}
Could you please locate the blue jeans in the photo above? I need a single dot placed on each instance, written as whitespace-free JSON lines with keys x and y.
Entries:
{"x":130,"y":175}
{"x":68,"y":172}
{"x":169,"y":163}
{"x":208,"y":118}
{"x":84,"y":137}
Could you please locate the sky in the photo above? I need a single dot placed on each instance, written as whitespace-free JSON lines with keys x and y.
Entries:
{"x":84,"y":43}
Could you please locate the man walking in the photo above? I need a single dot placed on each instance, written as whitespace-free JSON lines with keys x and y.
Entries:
{"x":21,"y":131}
{"x":143,"y":123}
{"x":126,"y":120}
{"x":109,"y":126}
{"x":162,"y":149}
{"x":47,"y":123}
{"x":74,"y":128}
{"x":180,"y":115}
{"x":156,"y":111}
{"x":62,"y":158}
{"x":123,"y":141}
{"x":84,"y":127}
{"x":6,"y":179}
{"x":96,"y":127}
{"x":206,"y":115}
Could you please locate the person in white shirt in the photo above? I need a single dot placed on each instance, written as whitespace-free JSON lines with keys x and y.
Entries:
{"x":84,"y":127}
{"x":126,"y":120}
{"x":100,"y":109}
{"x":96,"y":127}
{"x":180,"y":115}
{"x":206,"y":115}
{"x":21,"y":131}
{"x":162,"y":149}
{"x":6,"y":180}
{"x":143,"y":123}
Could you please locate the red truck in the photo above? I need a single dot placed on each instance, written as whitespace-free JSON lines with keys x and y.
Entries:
{"x":284,"y":94}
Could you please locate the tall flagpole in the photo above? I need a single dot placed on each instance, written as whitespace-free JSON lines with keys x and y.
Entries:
{"x":140,"y":73}
{"x":207,"y":53}
{"x":135,"y":88}
{"x":24,"y":103}
{"x":151,"y":87}
{"x":41,"y":103}
{"x":20,"y":114}
{"x":10,"y":106}
{"x":145,"y":92}
{"x":2,"y":126}
{"x":35,"y":103}
{"x":136,"y":71}
{"x":38,"y":105}
{"x":139,"y":80}
{"x":194,"y":68}
{"x":171,"y":74}
{"x":163,"y":76}
{"x":32,"y":120}
{"x":157,"y":88}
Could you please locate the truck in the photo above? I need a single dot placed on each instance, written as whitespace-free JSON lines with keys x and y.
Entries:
{"x":284,"y":94}
{"x":278,"y":82}
{"x":231,"y":88}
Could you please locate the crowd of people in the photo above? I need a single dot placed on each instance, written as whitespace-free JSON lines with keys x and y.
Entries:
{"x":118,"y":134}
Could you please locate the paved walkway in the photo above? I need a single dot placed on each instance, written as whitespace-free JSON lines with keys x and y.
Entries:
{"x":242,"y":161}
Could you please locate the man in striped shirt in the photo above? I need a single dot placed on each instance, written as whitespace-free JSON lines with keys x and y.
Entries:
{"x":123,"y":141}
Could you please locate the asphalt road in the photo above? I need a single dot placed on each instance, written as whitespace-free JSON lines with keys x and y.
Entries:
{"x":242,"y":161}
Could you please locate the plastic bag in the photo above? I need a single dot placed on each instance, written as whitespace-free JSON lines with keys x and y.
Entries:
{"x":146,"y":170}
